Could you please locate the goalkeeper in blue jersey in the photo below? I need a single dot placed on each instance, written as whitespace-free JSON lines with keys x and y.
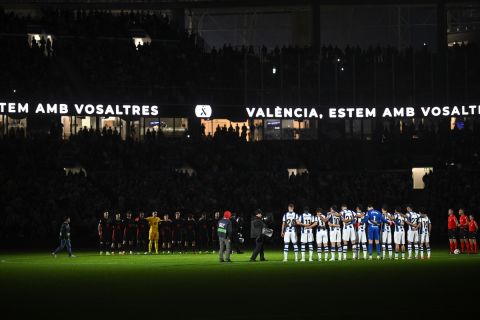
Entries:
{"x":374,"y":219}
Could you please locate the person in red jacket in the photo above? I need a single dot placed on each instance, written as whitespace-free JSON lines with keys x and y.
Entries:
{"x":463,"y":234}
{"x":472,"y":234}
{"x":452,"y":230}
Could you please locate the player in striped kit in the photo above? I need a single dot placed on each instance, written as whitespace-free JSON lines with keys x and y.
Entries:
{"x":399,"y":234}
{"x":424,"y":232}
{"x":305,"y":222}
{"x":335,"y":233}
{"x":288,"y":234}
{"x":361,"y":232}
{"x":320,"y":223}
{"x":412,"y":219}
{"x":387,"y":234}
{"x":348,"y":219}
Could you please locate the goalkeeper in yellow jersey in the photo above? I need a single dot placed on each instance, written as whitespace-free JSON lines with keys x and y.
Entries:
{"x":153,"y":221}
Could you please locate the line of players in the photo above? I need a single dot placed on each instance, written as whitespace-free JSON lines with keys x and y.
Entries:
{"x":140,"y":234}
{"x":330,"y":229}
{"x":466,"y":230}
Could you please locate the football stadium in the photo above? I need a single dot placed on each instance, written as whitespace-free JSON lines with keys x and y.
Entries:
{"x":239,"y":159}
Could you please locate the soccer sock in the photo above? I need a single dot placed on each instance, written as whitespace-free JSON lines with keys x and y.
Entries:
{"x":339,"y":251}
{"x":416,"y":250}
{"x":156,"y":246}
{"x":462,"y":244}
{"x":310,"y":247}
{"x":303,"y":251}
{"x":468,"y":246}
{"x":150,"y":243}
{"x":421,"y":252}
{"x":364,"y":249}
{"x":378,"y":249}
{"x":390,"y":251}
{"x":409,"y":250}
{"x":370,"y":249}
{"x":455,"y":243}
{"x":403,"y":254}
{"x":354,"y":250}
{"x":326,"y":249}
{"x":384,"y":251}
{"x":319,"y":251}
{"x":396,"y":254}
{"x":285,"y":251}
{"x":332,"y":253}
{"x":428,"y":252}
{"x":345,"y":248}
{"x":295,"y":250}
{"x":451,"y":247}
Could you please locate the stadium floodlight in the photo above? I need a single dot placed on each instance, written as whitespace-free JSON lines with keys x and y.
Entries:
{"x":338,"y":59}
{"x":274,"y":70}
{"x":342,"y":69}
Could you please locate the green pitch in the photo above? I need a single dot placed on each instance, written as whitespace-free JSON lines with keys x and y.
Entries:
{"x":196,"y":286}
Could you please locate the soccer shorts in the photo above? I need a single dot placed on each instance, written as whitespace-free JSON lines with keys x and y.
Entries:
{"x":322,"y":237}
{"x":306,"y":237}
{"x":166,"y":235}
{"x":424,"y":238}
{"x":190,"y":236}
{"x":349,"y":234}
{"x":462,"y":233}
{"x":373,"y":233}
{"x":412,"y":236}
{"x":129,"y":236}
{"x":177,"y":236}
{"x":387,"y":237}
{"x":399,"y":237}
{"x":335,"y":236}
{"x":290,"y":236}
{"x":472,"y":235}
{"x":361,"y":236}
{"x":452,"y":234}
{"x":153,"y":235}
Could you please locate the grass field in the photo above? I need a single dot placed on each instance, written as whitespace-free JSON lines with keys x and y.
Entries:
{"x":198,"y":287}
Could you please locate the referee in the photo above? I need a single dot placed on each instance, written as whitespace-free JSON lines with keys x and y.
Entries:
{"x":64,"y":238}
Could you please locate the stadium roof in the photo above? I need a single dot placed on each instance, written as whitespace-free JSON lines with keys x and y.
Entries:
{"x":172,"y":4}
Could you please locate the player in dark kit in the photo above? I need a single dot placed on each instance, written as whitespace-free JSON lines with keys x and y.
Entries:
{"x":129,"y":233}
{"x":142,"y":233}
{"x":213,"y":230}
{"x":190,"y":233}
{"x":166,"y":233}
{"x":203,"y":233}
{"x":105,"y":233}
{"x":117,"y":234}
{"x":178,"y":230}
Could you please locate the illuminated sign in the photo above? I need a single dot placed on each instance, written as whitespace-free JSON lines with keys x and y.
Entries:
{"x":203,"y":111}
{"x":252,"y":112}
{"x":80,"y":109}
{"x":359,"y":112}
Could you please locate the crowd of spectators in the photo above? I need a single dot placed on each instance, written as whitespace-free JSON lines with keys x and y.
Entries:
{"x":92,"y":54}
{"x":240,"y":176}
